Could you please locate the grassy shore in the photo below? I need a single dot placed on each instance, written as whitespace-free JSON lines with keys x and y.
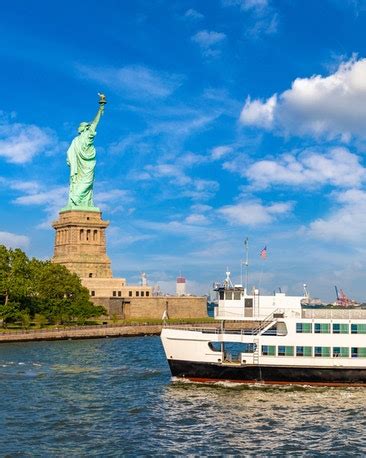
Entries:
{"x":34,"y":326}
{"x":122,"y":328}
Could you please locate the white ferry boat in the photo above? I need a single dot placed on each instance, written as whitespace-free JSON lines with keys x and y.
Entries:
{"x":270,"y":339}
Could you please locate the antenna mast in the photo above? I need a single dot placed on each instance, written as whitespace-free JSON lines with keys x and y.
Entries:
{"x":246,"y":246}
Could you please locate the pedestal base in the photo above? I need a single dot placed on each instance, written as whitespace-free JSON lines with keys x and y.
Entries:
{"x":80,"y":243}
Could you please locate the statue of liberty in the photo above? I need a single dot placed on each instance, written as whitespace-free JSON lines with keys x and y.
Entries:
{"x":81,"y":160}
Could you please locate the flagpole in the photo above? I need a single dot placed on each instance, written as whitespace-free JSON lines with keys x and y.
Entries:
{"x":263,"y":255}
{"x":246,"y":244}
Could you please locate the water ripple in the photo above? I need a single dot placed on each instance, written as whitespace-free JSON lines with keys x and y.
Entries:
{"x":115,"y":397}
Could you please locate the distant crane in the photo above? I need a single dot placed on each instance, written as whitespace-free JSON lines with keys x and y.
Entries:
{"x":342,"y":299}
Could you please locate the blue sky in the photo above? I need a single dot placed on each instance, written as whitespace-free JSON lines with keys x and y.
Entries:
{"x":226,"y":119}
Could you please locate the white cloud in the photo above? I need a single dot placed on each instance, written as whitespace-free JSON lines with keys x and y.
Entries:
{"x":191,"y":187}
{"x":331,"y":106}
{"x":19,"y":143}
{"x":196,"y":232}
{"x":256,"y":4}
{"x":193,"y":14}
{"x":112,"y":195}
{"x":254,"y":213}
{"x":170,"y":171}
{"x":56,"y":196}
{"x":11,"y":240}
{"x":52,"y":199}
{"x":337,"y":167}
{"x":134,"y":81}
{"x":168,"y":134}
{"x":262,"y":18}
{"x":220,"y":151}
{"x":258,"y":113}
{"x":196,"y":218}
{"x":201,"y":208}
{"x":126,"y":236}
{"x":182,"y":127}
{"x":347,"y":222}
{"x":246,"y":5}
{"x":191,"y":159}
{"x":267,"y":25}
{"x":200,"y":189}
{"x":208,"y":41}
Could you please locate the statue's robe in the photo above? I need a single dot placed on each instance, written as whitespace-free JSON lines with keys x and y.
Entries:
{"x":81,"y":160}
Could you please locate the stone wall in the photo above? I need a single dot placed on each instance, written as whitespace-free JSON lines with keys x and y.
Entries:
{"x":80,"y":333}
{"x":154,"y":307}
{"x":115,"y":287}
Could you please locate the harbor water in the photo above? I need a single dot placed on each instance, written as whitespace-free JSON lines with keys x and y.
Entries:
{"x":114,"y":397}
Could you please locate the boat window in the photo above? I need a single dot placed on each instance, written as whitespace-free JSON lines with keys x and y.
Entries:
{"x":237,"y":295}
{"x":359,"y":352}
{"x":321,"y":328}
{"x":268,"y":350}
{"x":249,"y":303}
{"x":340,"y":328}
{"x":215,"y":346}
{"x":272,"y":331}
{"x":232,"y":349}
{"x":302,"y":328}
{"x":221,"y":295}
{"x":248,"y":347}
{"x":284,"y":350}
{"x":228,"y":295}
{"x":342,"y":352}
{"x":322,"y":351}
{"x":304,"y":351}
{"x":358,"y":328}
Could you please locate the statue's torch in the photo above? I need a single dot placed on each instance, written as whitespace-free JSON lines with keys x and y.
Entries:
{"x":102,"y":99}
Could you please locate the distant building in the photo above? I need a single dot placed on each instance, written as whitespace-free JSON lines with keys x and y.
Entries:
{"x":180,"y":286}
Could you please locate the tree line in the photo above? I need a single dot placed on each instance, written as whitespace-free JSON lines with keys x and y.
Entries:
{"x":34,"y":290}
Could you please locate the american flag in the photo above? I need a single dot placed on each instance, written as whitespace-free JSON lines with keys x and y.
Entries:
{"x":264,"y":253}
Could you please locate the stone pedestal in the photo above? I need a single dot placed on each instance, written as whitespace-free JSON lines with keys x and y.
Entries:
{"x":80,"y":243}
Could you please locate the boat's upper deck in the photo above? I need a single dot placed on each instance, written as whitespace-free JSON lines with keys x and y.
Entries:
{"x":235,"y":303}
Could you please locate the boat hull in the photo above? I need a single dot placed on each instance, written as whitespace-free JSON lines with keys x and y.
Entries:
{"x":304,"y":375}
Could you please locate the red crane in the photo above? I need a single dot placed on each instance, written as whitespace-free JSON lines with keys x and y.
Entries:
{"x":342,"y":299}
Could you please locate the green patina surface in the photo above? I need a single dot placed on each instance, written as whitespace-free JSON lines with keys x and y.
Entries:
{"x":81,"y":158}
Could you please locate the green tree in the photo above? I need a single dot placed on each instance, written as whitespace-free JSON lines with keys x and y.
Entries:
{"x":4,"y":274}
{"x":30,"y":288}
{"x":62,"y":295}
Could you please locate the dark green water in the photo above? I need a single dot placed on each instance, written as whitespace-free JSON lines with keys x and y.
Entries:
{"x":115,"y":397}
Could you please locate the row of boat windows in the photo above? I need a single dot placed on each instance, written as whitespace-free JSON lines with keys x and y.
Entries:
{"x":325,"y":352}
{"x":325,"y":328}
{"x":230,"y":295}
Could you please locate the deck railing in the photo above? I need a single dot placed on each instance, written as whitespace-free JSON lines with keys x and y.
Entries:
{"x":219,"y":330}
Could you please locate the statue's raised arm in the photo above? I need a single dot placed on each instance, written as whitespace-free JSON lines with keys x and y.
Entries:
{"x":102,"y":102}
{"x":81,"y":160}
